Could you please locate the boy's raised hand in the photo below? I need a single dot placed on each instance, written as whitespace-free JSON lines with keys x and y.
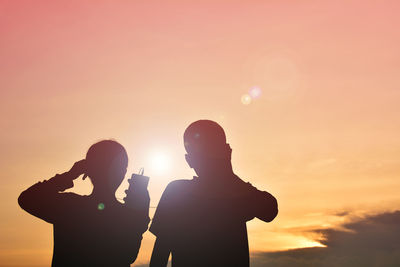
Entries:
{"x":78,"y":168}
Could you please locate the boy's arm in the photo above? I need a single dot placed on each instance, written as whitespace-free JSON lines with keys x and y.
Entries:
{"x":265,"y":205}
{"x":160,"y":255}
{"x":164,"y":224}
{"x":136,"y":206}
{"x":260,"y":204}
{"x":43,"y":198}
{"x":139,"y":221}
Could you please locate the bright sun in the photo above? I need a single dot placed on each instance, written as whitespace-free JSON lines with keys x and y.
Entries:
{"x":160,"y":162}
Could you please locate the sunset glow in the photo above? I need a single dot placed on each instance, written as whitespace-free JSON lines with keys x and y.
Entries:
{"x":308,"y":93}
{"x":160,"y":162}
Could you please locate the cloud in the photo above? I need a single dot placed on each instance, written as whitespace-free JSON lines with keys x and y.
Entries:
{"x":341,"y":213}
{"x":369,"y":241}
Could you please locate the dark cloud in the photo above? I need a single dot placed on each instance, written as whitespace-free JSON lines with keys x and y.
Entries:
{"x":370,"y":241}
{"x":342,"y":213}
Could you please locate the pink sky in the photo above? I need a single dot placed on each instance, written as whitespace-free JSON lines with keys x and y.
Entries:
{"x":323,"y":137}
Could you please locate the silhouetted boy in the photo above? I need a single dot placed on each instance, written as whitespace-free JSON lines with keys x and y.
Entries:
{"x":202,"y":221}
{"x":94,"y":230}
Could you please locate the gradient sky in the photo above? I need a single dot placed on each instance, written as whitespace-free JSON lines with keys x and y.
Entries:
{"x":323,"y":137}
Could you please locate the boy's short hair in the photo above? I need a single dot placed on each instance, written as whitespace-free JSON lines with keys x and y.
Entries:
{"x":203,"y":136}
{"x":106,"y":153}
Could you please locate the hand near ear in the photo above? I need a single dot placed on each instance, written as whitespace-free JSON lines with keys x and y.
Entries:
{"x":78,"y":169}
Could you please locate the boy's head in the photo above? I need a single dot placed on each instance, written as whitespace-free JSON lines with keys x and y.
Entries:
{"x":106,"y":163}
{"x":206,"y":147}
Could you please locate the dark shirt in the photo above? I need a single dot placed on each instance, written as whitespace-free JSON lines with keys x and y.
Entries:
{"x":86,"y":233}
{"x":205,"y":225}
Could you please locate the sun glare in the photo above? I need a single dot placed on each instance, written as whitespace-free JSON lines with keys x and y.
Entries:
{"x":160,"y":162}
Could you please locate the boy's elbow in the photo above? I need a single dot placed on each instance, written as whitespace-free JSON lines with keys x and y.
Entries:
{"x":272,"y":211}
{"x":22,"y":200}
{"x":25,"y":201}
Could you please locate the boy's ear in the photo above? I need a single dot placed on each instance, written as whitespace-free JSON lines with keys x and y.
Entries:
{"x":228,"y":147}
{"x":188,"y":160}
{"x":228,"y":150}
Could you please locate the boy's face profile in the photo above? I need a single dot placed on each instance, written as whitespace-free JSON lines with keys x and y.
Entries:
{"x":207,"y":151}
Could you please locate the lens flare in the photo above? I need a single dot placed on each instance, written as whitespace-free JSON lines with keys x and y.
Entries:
{"x":255,"y":92}
{"x":246,"y":99}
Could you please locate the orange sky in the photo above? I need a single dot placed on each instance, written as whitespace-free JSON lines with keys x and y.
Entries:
{"x":323,"y":136}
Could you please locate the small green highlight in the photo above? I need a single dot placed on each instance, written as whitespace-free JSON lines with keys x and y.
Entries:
{"x":100,"y":206}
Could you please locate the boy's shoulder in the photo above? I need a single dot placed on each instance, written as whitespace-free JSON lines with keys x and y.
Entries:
{"x":180,"y":183}
{"x":179,"y":187}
